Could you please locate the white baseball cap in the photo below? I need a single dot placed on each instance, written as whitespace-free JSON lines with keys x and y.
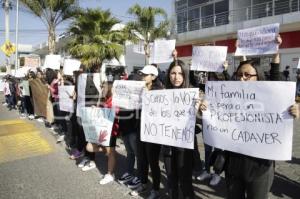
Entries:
{"x":149,"y":70}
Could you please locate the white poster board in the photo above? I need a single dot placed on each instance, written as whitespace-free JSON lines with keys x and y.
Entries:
{"x":71,"y":65}
{"x":66,"y":102}
{"x":298,"y":66}
{"x":25,"y":90}
{"x":81,"y":85}
{"x":250,"y":118}
{"x":97,"y":124}
{"x":258,"y":40}
{"x":208,"y":58}
{"x":169,"y":117}
{"x":127,"y":94}
{"x":162,"y":51}
{"x":52,"y":61}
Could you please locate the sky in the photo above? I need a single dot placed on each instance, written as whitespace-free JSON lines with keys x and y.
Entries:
{"x":33,"y":31}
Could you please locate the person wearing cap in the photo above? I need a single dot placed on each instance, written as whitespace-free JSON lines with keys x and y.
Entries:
{"x":148,"y":153}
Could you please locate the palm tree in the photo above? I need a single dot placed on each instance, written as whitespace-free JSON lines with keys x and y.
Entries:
{"x":52,"y":13}
{"x":145,"y":24}
{"x":92,"y":40}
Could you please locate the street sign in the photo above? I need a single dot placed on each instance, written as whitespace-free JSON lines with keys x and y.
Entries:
{"x":8,"y":48}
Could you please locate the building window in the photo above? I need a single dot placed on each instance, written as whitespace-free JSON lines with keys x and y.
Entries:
{"x":207,"y":16}
{"x":194,"y":19}
{"x":180,"y":5}
{"x":261,"y":9}
{"x":283,"y":6}
{"x":181,"y":22}
{"x":196,"y":2}
{"x":222,"y":13}
{"x":295,"y":4}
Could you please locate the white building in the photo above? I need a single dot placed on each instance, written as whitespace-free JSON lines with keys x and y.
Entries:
{"x":216,"y":22}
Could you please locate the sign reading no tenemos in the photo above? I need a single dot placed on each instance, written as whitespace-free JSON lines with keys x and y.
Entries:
{"x":169,"y":117}
{"x":250,"y":118}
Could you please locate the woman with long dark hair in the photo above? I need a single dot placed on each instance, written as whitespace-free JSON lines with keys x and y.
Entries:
{"x":178,"y":161}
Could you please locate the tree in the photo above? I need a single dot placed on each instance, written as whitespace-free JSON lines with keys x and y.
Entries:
{"x":92,"y":39}
{"x":52,"y":13}
{"x":145,"y":24}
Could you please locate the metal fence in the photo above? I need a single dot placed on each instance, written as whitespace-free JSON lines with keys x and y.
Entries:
{"x":266,"y":9}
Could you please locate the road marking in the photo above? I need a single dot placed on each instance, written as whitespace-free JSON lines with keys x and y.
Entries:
{"x":20,"y":140}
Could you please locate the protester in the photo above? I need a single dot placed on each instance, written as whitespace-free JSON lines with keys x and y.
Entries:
{"x":108,"y":150}
{"x":148,"y":153}
{"x":247,"y":175}
{"x":215,"y":178}
{"x":178,"y":161}
{"x":286,"y":73}
{"x":129,"y":130}
{"x":54,"y":79}
{"x":91,"y":99}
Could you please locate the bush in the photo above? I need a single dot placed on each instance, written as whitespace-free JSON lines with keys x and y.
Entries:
{"x":3,"y":69}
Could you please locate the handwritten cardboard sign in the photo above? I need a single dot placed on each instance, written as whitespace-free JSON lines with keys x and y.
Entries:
{"x":208,"y":58}
{"x":71,"y":65}
{"x":250,"y":118}
{"x":52,"y":61}
{"x":169,"y":117}
{"x":97,"y":124}
{"x":128,"y":94}
{"x":66,"y":102}
{"x":258,"y":40}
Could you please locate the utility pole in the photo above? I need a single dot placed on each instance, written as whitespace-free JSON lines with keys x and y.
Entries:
{"x":6,"y":11}
{"x":17,"y":37}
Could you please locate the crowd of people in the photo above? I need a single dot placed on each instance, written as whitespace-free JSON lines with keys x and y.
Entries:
{"x":246,"y":177}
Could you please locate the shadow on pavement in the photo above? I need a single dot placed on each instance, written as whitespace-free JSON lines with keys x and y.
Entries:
{"x":283,"y":186}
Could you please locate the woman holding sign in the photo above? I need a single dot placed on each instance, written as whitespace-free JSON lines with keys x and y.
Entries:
{"x":109,"y":150}
{"x":245,"y":175}
{"x":178,"y":161}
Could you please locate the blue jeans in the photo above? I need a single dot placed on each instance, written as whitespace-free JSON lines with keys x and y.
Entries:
{"x":131,"y":149}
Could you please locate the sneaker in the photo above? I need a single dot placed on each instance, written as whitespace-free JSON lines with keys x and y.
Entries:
{"x":40,"y":120}
{"x":4,"y":104}
{"x":136,"y":182}
{"x":203,"y":176}
{"x":215,"y":180}
{"x":153,"y":194}
{"x":126,"y":177}
{"x":83,"y":162}
{"x":60,"y":139}
{"x":76,"y":154}
{"x":139,"y":190}
{"x":89,"y":166}
{"x":107,"y":179}
{"x":31,"y":117}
